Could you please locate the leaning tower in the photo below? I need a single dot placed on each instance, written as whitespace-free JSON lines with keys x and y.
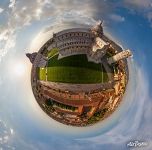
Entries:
{"x":119,"y":56}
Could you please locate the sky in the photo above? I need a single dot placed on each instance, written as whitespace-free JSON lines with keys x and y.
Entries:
{"x":25,"y":26}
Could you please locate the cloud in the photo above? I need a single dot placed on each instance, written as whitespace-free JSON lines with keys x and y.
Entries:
{"x":1,"y":10}
{"x":149,"y":16}
{"x":140,"y":3}
{"x":142,"y":7}
{"x":23,"y":13}
{"x":12,"y":3}
{"x":26,"y":12}
{"x":136,"y":123}
{"x":7,"y":40}
{"x":117,"y":18}
{"x":77,"y":13}
{"x":6,"y":134}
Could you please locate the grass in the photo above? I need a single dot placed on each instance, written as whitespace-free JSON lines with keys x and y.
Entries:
{"x":97,"y":116}
{"x":41,"y":73}
{"x":72,"y":75}
{"x":63,"y":106}
{"x":52,"y":52}
{"x":72,"y":69}
{"x":79,"y":61}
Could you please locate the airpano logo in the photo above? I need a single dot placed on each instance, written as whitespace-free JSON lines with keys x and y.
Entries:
{"x":136,"y":143}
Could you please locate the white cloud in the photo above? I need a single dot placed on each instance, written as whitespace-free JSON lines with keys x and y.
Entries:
{"x":146,"y":4}
{"x":117,"y":18}
{"x":26,"y":11}
{"x":23,"y":13}
{"x":5,"y":133}
{"x":11,"y":131}
{"x":142,"y":7}
{"x":7,"y":37}
{"x":1,"y":10}
{"x":136,"y":123}
{"x":12,"y":3}
{"x":149,"y":16}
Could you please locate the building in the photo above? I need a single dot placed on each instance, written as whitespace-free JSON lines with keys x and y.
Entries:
{"x":119,"y":56}
{"x":31,"y":56}
{"x":97,"y":30}
{"x":75,"y":104}
{"x":99,"y":48}
{"x":42,"y":60}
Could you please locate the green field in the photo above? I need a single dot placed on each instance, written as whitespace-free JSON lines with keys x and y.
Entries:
{"x":72,"y":75}
{"x":78,"y":61}
{"x":52,"y":52}
{"x":72,"y":69}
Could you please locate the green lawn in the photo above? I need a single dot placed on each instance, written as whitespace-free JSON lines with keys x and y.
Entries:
{"x":52,"y":52}
{"x":72,"y":69}
{"x":72,"y":75}
{"x":41,"y":73}
{"x":79,"y":61}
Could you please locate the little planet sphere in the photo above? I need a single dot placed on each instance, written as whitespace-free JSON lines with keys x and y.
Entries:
{"x":79,"y":76}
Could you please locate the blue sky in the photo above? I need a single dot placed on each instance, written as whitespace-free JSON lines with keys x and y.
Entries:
{"x":25,"y":25}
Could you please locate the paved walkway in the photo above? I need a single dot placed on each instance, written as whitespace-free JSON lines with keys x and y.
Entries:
{"x":76,"y":87}
{"x":108,"y":69}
